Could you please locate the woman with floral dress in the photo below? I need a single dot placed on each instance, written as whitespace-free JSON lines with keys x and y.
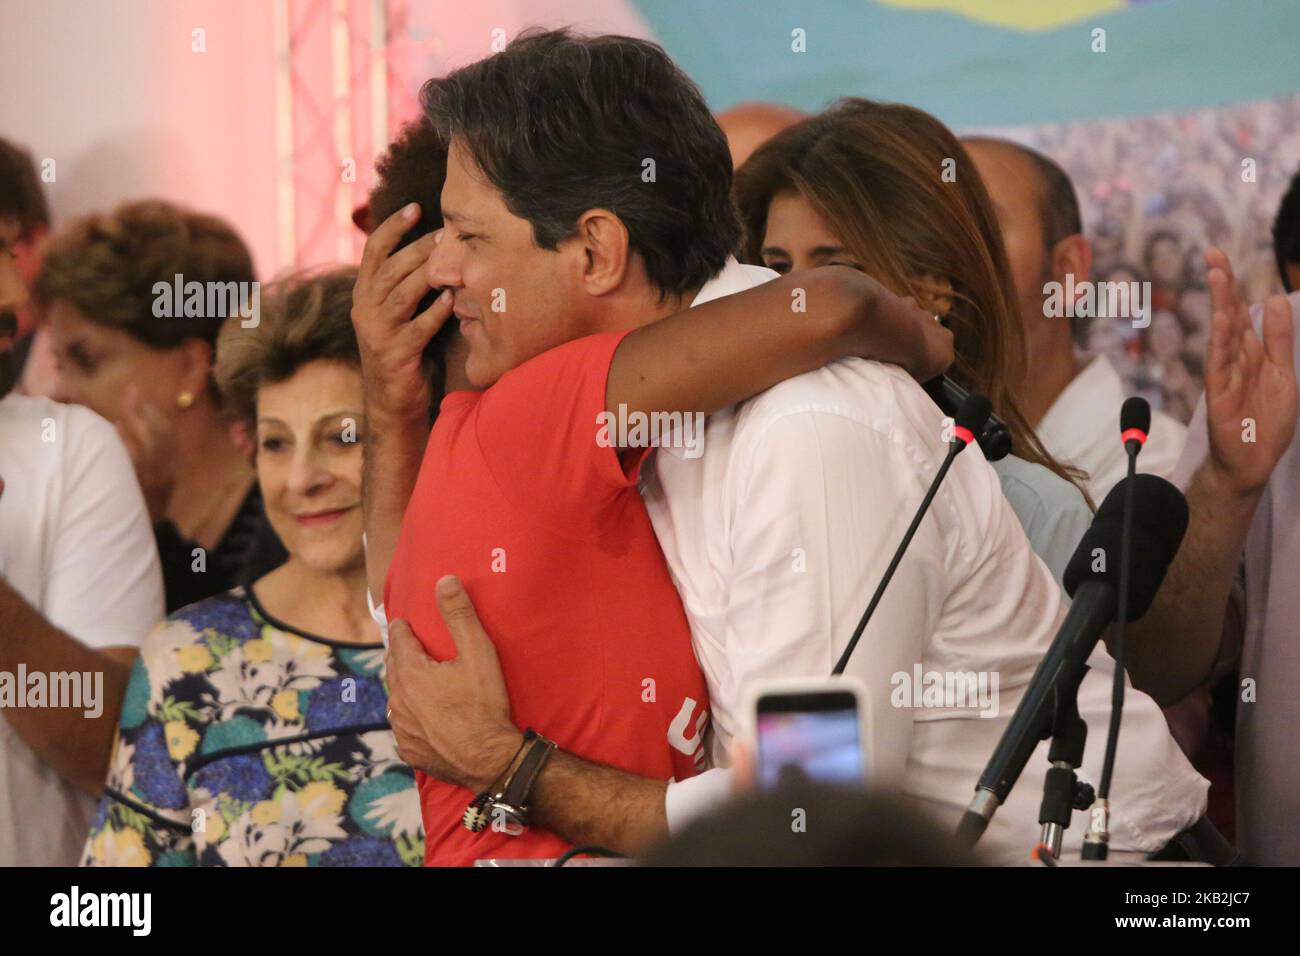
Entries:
{"x":254,"y":731}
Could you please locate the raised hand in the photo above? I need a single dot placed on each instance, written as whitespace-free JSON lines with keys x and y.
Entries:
{"x":1250,"y":382}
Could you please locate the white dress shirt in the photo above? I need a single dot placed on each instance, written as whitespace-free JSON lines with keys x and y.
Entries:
{"x":1082,"y":429}
{"x":776,"y":538}
{"x":76,"y":543}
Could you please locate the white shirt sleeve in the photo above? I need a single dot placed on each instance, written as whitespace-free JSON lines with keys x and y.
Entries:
{"x":821,"y":505}
{"x":103,"y":583}
{"x":377,"y":612}
{"x":696,"y":796}
{"x":379,"y":616}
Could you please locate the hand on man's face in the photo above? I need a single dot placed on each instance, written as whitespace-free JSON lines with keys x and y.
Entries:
{"x":451,"y":718}
{"x":390,"y":335}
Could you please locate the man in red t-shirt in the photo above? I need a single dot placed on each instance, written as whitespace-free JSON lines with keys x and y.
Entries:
{"x":547,"y":531}
{"x":570,"y":275}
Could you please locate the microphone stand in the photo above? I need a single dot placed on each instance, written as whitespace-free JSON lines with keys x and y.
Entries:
{"x":1096,"y":842}
{"x":1063,"y":793}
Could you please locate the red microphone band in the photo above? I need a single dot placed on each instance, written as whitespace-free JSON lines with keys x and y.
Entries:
{"x":1134,"y":434}
{"x":967,"y":436}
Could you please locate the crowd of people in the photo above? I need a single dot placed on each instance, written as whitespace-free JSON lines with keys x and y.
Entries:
{"x":365,"y":582}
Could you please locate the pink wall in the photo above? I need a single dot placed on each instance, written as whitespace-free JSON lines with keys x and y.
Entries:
{"x":116,"y":95}
{"x":113,"y":94}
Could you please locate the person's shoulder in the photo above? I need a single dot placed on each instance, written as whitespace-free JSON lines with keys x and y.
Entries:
{"x":228,"y":612}
{"x":873,"y":394}
{"x":227,"y":616}
{"x":842,"y":411}
{"x":1040,"y":497}
{"x":555,"y":376}
{"x":1039,"y":482}
{"x":72,"y":427}
{"x":19,"y":407}
{"x":69,"y":445}
{"x":588,"y":349}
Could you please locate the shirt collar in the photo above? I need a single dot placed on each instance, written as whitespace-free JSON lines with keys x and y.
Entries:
{"x":1074,"y":414}
{"x":734,"y":277}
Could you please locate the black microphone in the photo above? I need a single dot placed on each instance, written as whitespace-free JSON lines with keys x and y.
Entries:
{"x":994,"y":438}
{"x":1134,"y":424}
{"x":968,"y":422}
{"x":1091,"y":580}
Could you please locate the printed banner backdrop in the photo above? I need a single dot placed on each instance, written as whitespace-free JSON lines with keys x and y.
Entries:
{"x":987,"y":61}
{"x":1176,"y":119}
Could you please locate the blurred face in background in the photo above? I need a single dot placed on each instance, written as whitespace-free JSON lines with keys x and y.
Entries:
{"x":1165,"y":337}
{"x":96,"y":363}
{"x":1165,"y":261}
{"x":310,"y":431}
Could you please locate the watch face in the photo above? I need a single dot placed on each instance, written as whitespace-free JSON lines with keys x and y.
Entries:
{"x":506,"y":819}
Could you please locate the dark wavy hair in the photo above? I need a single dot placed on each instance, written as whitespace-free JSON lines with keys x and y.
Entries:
{"x":561,"y":123}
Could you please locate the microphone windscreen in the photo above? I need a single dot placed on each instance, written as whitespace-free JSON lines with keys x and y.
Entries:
{"x":973,"y":413}
{"x":1135,"y":413}
{"x":1159,"y":523}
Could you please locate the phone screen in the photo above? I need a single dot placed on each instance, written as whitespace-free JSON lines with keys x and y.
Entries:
{"x":809,"y":737}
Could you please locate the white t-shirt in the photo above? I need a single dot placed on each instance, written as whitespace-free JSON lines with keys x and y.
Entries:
{"x":76,"y":543}
{"x":1082,"y":429}
{"x":779,"y":533}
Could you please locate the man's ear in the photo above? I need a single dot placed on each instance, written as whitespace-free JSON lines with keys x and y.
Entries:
{"x":933,"y":294}
{"x":1072,"y":256}
{"x":604,"y":242}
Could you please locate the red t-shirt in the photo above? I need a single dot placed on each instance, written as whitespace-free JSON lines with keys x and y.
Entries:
{"x":553,"y":543}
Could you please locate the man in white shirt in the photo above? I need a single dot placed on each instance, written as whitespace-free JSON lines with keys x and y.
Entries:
{"x":779,"y":533}
{"x":1073,"y":407}
{"x":80,"y":586}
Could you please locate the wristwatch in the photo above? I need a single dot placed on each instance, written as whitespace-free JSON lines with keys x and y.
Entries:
{"x":504,"y":806}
